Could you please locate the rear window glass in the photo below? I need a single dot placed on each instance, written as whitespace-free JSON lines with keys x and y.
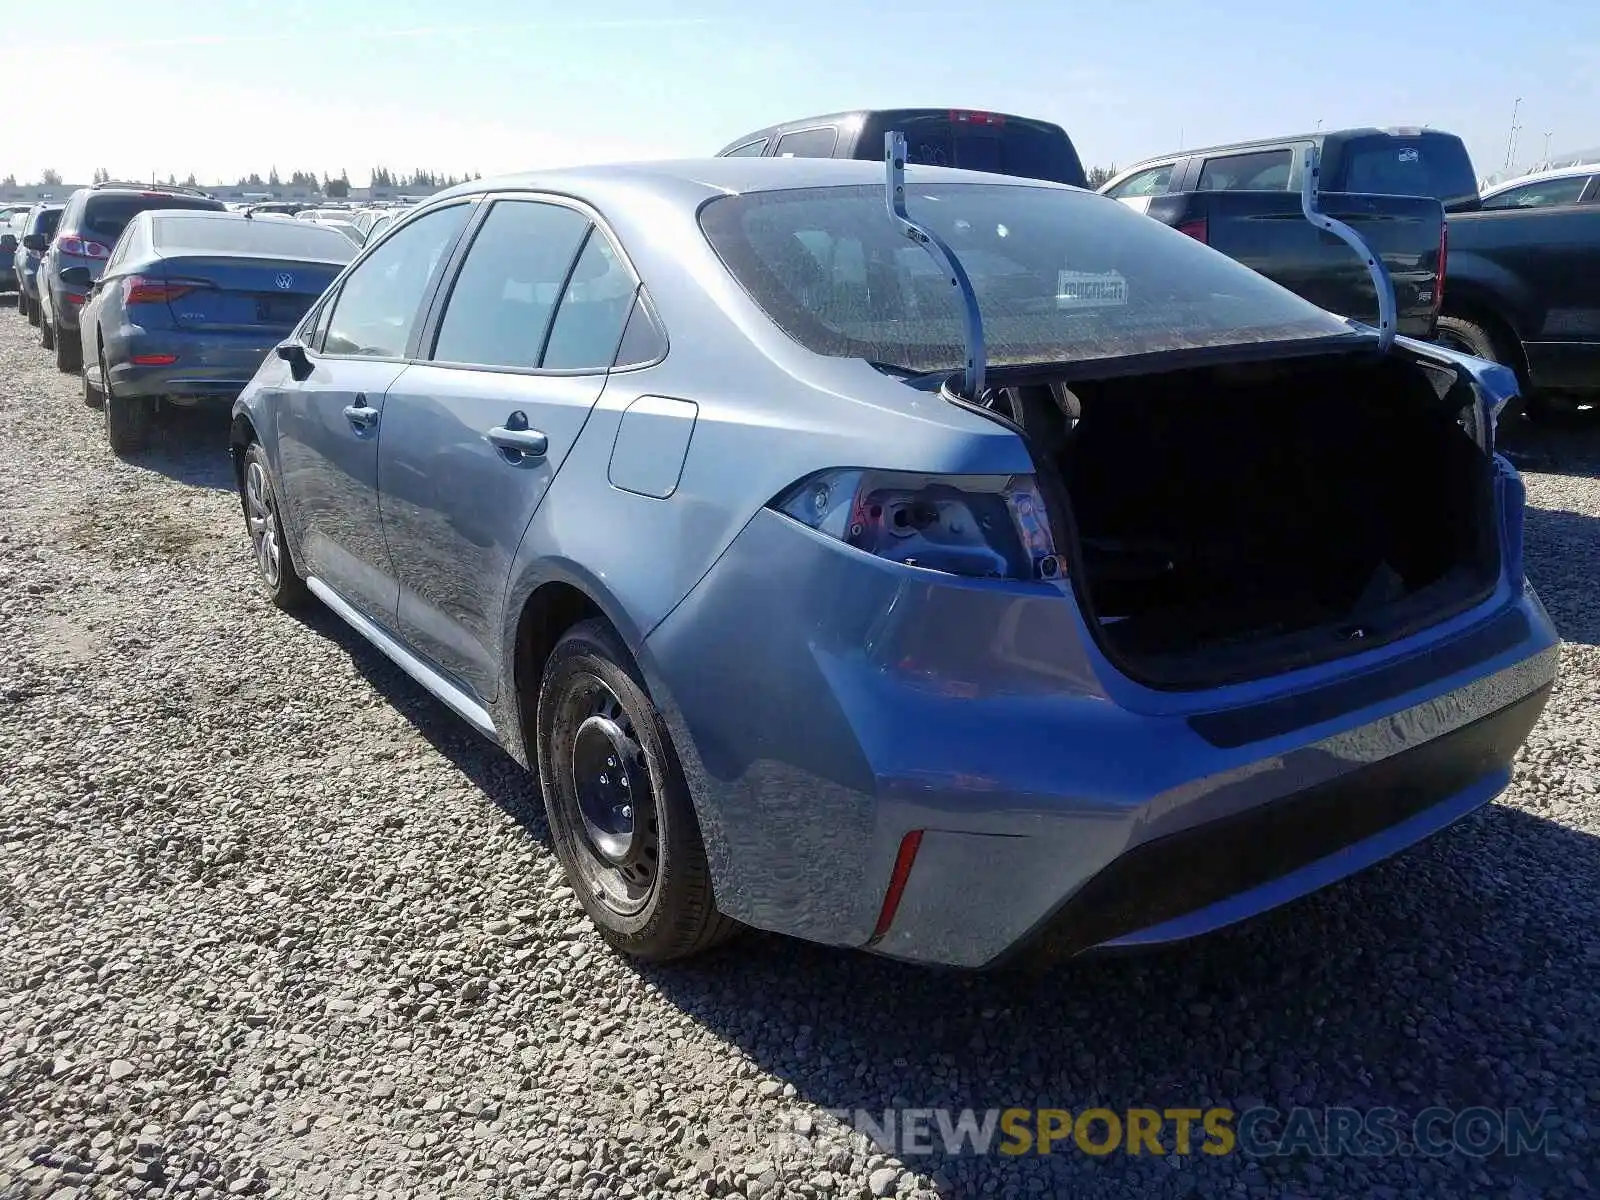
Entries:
{"x":250,"y":235}
{"x":45,"y":223}
{"x":107,"y":216}
{"x":1021,"y":148}
{"x":1434,"y":165}
{"x":1060,"y":275}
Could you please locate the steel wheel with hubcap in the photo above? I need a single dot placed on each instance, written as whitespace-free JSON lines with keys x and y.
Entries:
{"x":283,"y":583}
{"x":619,"y":808}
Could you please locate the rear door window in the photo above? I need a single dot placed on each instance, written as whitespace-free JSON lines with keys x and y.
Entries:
{"x":593,"y":310}
{"x":753,"y":149}
{"x":1260,"y":171}
{"x":499,"y":310}
{"x":808,"y":143}
{"x":1427,"y":164}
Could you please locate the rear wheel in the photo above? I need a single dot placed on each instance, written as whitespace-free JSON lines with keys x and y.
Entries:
{"x":284,"y":585}
{"x":620,"y":815}
{"x":127,"y":418}
{"x":1468,"y":337}
{"x":69,"y":350}
{"x":33,"y":311}
{"x":46,"y":333}
{"x":93,"y":397}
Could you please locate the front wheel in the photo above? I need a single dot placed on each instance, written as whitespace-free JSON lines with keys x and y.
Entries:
{"x":620,"y":814}
{"x":32,"y":312}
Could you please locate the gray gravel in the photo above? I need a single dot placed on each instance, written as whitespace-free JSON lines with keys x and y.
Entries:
{"x":272,"y":922}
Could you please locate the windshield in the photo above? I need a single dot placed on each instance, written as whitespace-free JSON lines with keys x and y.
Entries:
{"x":1060,"y":275}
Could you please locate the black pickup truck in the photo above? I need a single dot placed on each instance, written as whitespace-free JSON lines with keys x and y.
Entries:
{"x":1391,"y":186}
{"x":1521,"y":290}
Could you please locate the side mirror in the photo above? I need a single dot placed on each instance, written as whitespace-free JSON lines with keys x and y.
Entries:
{"x":294,"y":354}
{"x":77,"y":277}
{"x":36,"y":242}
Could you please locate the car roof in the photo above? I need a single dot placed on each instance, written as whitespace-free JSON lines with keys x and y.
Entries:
{"x":1319,"y":136}
{"x":707,"y":177}
{"x":1576,"y":171}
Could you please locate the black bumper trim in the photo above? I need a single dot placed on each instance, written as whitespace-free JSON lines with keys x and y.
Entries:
{"x":1183,"y":872}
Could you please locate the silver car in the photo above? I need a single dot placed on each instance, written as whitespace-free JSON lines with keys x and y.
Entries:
{"x":1168,"y":599}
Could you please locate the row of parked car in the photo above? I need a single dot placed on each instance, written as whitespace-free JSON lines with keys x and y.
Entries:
{"x":942,"y":564}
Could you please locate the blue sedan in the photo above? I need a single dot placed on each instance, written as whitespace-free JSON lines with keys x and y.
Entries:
{"x":189,"y":304}
{"x":671,"y":480}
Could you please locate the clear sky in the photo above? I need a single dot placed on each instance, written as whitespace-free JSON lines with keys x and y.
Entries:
{"x":222,"y":87}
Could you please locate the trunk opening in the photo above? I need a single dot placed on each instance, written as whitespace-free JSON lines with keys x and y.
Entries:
{"x":1232,"y":522}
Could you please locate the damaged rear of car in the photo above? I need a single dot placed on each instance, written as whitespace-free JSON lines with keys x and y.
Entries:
{"x":1248,"y":616}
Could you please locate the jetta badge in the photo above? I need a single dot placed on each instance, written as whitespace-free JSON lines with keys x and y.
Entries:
{"x":285,"y":281}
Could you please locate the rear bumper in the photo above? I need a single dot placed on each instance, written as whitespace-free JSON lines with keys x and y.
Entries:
{"x":826,"y":704}
{"x":205,"y":367}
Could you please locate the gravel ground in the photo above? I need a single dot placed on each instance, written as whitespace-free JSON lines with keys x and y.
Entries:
{"x":272,"y":922}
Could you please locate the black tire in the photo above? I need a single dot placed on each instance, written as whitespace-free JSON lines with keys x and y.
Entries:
{"x":46,"y":333}
{"x":658,"y":905}
{"x":34,"y":315}
{"x":69,"y":351}
{"x":127,"y":421}
{"x":275,"y":566}
{"x":1457,"y":333}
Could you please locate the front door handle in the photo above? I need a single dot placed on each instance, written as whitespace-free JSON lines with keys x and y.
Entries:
{"x":360,"y":414}
{"x":519,"y":444}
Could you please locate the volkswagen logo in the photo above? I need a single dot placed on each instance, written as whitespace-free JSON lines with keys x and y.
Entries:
{"x":285,"y":281}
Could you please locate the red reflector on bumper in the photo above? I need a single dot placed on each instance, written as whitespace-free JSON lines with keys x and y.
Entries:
{"x":71,"y":299}
{"x":154,"y":360}
{"x":909,"y":845}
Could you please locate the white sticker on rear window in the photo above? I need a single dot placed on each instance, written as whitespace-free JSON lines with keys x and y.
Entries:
{"x":1409,"y":155}
{"x":1084,"y":289}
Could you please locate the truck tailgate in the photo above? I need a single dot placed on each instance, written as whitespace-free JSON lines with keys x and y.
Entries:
{"x":1266,"y":232}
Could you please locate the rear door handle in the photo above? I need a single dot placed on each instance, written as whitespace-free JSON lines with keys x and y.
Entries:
{"x":519,"y":444}
{"x":361,"y":414}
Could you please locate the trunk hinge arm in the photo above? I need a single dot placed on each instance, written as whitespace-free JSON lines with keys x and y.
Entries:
{"x":1382,"y":284}
{"x":894,"y":158}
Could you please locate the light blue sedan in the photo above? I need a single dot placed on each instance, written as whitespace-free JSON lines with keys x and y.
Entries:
{"x":668,"y":478}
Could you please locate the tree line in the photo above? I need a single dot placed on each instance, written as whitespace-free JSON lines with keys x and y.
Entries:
{"x":332,"y":186}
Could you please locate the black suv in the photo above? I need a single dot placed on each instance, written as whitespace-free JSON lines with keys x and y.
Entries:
{"x":91,"y":223}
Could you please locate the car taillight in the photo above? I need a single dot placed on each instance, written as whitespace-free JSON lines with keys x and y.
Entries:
{"x":966,"y":117}
{"x":82,"y":247}
{"x":140,"y":289}
{"x":1195,"y":229}
{"x":1438,"y":275}
{"x":979,"y":526}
